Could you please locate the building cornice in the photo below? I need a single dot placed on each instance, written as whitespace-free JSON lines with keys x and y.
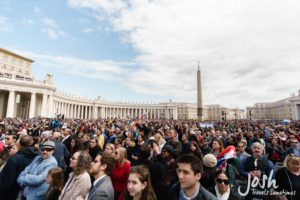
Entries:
{"x":16,"y":55}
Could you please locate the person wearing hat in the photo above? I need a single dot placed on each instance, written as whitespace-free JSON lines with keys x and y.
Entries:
{"x":33,"y":178}
{"x":209,"y":169}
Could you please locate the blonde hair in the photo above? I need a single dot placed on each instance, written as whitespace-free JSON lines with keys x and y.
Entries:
{"x":123,"y":155}
{"x":290,"y":157}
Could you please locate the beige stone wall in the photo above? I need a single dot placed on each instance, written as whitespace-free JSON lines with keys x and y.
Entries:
{"x":14,"y":65}
{"x":274,"y":110}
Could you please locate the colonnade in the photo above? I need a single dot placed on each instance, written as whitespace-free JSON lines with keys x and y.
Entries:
{"x":42,"y":104}
{"x":82,"y":111}
{"x":34,"y":108}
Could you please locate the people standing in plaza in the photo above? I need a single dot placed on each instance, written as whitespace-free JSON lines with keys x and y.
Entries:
{"x":110,"y":148}
{"x":101,"y":169}
{"x":94,"y":148}
{"x":10,"y":141}
{"x":139,"y":185}
{"x":61,"y":152}
{"x":120,"y":172}
{"x":55,"y":179}
{"x":79,"y":181}
{"x":222,"y":189}
{"x":67,"y":138}
{"x":33,"y":178}
{"x":205,"y":148}
{"x":9,"y":188}
{"x":173,"y":141}
{"x":189,"y":174}
{"x":217,"y":147}
{"x":195,"y":150}
{"x":156,"y":169}
{"x":159,"y":140}
{"x":14,"y":149}
{"x":209,"y":171}
{"x":288,"y":177}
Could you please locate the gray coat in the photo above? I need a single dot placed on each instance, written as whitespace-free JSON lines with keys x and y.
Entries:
{"x":103,"y":190}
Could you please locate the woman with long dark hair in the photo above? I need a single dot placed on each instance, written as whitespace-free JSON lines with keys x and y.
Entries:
{"x":195,"y":150}
{"x":217,"y":147}
{"x":139,"y":184}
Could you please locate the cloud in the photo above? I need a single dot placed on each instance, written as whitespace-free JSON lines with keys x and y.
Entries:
{"x":103,"y":70}
{"x":248,"y":49}
{"x":5,"y":25}
{"x":26,"y":21}
{"x":52,"y":29}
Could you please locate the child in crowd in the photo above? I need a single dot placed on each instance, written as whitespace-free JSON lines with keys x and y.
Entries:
{"x":55,"y":179}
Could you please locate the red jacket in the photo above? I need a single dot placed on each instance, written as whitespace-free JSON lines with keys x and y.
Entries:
{"x":119,"y":177}
{"x":2,"y":147}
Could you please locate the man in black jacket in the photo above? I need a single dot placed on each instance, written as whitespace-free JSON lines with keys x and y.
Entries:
{"x":189,"y":173}
{"x":9,"y":188}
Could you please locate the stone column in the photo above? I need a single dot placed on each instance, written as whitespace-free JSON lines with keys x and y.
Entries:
{"x":50,"y":106}
{"x":59,"y":107}
{"x":71,"y":110}
{"x":85,"y":112}
{"x":167,"y":113}
{"x":10,"y":104}
{"x":175,"y":114}
{"x":90,"y":112}
{"x":295,"y":113}
{"x":95,"y":112}
{"x":32,"y":105}
{"x":76,"y":111}
{"x":44,"y":105}
{"x":65,"y":109}
{"x":81,"y":112}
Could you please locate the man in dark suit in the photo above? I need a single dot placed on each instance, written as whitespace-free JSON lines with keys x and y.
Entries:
{"x":61,"y":152}
{"x":101,"y":168}
{"x":67,"y":138}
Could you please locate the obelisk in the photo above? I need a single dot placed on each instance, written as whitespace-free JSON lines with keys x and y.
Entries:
{"x":199,"y":95}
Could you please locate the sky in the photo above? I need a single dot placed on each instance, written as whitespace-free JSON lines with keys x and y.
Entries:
{"x":148,"y":50}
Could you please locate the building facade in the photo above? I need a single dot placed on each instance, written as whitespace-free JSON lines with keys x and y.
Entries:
{"x":221,"y":113}
{"x":288,"y":108}
{"x":21,"y":95}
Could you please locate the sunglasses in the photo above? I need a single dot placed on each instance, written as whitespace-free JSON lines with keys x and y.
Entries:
{"x":46,"y":149}
{"x":220,"y":181}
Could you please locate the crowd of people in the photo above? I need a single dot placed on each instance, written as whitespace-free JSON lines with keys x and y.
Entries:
{"x":140,"y":159}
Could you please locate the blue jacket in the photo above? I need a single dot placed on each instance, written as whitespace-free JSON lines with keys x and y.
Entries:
{"x":61,"y":153}
{"x":34,"y":177}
